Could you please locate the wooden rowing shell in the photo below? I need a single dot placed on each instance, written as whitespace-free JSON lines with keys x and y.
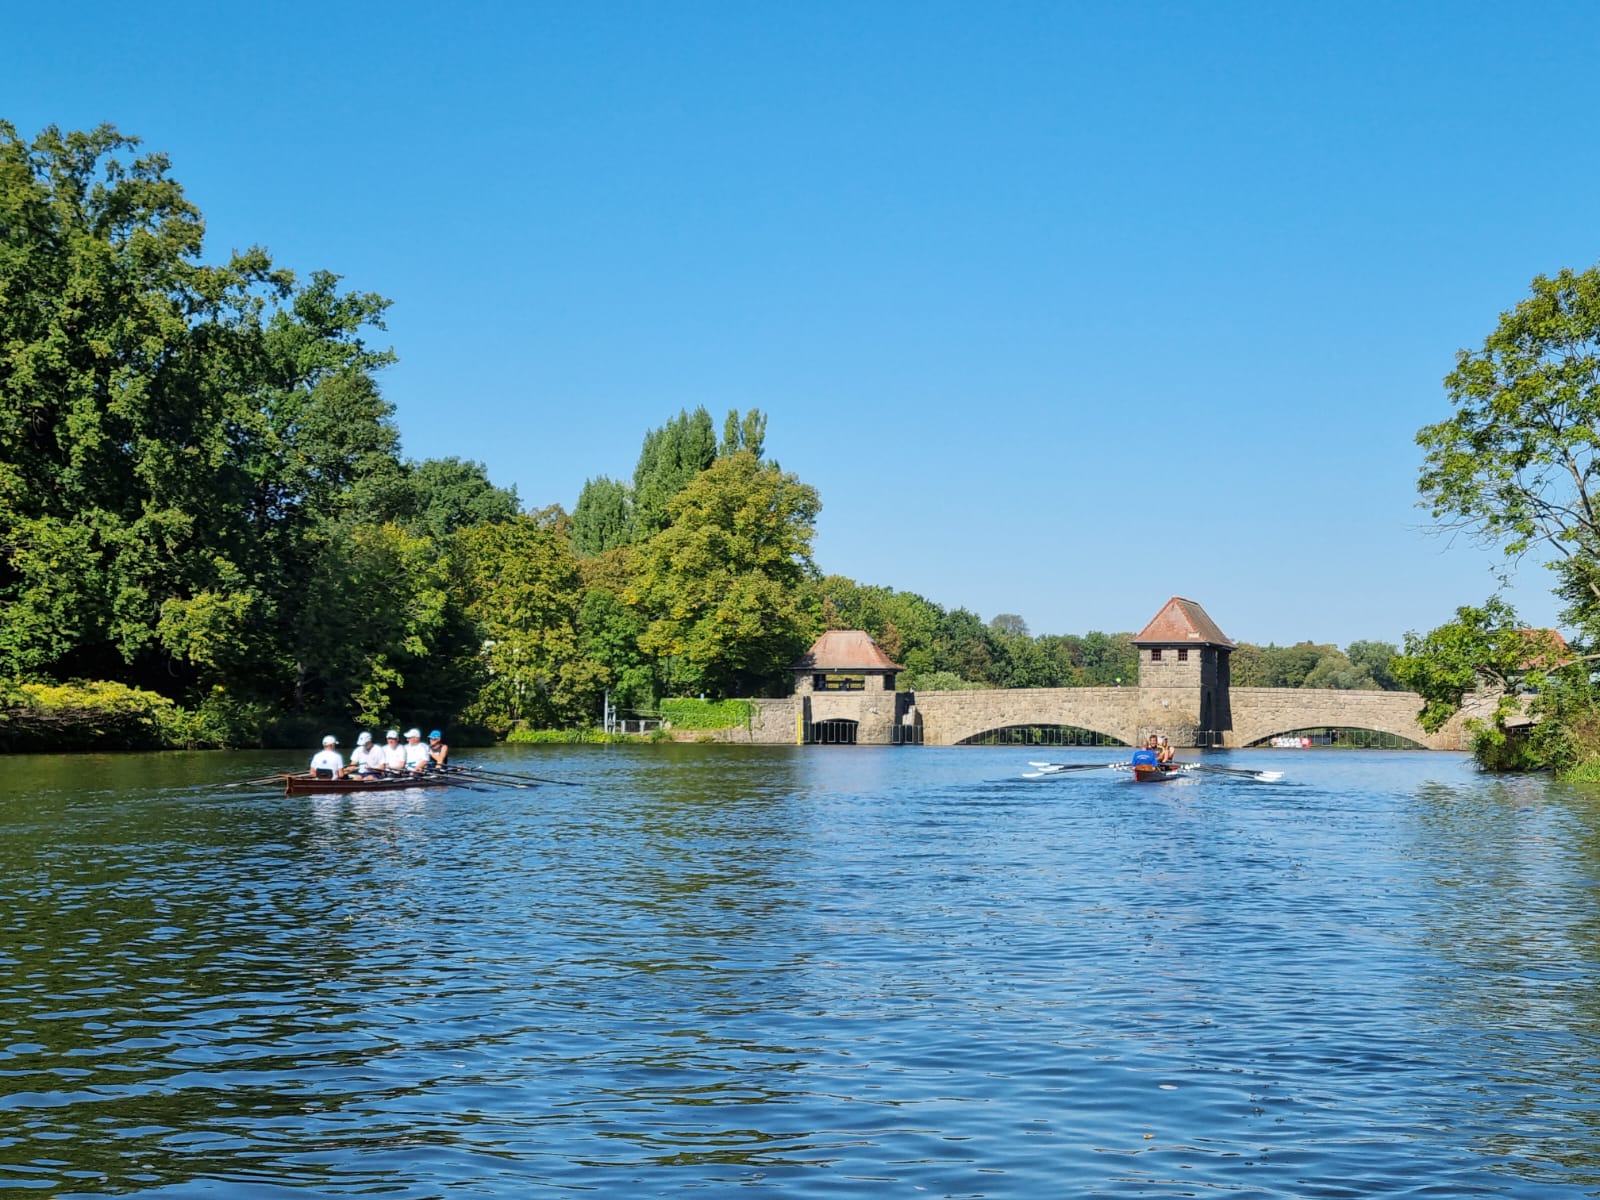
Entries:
{"x":308,"y":784}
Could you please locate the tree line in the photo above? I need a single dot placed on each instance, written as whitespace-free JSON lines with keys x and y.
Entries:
{"x":209,"y":534}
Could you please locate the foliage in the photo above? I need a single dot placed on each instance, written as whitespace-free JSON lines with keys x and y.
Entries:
{"x":670,"y":458}
{"x":85,"y":716}
{"x":706,"y":714}
{"x":719,"y":586}
{"x":1518,"y":463}
{"x":450,"y":494}
{"x":562,"y":737}
{"x":522,"y":591}
{"x":936,"y":681}
{"x":603,"y":518}
{"x":1482,"y":646}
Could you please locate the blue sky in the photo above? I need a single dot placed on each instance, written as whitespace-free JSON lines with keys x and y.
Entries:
{"x":1063,"y":308}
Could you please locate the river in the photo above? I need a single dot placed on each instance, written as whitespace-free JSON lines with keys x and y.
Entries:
{"x":806,"y":972}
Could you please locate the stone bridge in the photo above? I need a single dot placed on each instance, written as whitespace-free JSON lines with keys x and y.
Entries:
{"x":844,"y":692}
{"x":1130,"y":714}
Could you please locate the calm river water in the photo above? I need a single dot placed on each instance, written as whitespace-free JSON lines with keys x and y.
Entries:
{"x":819,"y":972}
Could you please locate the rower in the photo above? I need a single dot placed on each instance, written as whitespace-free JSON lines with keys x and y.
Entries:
{"x":1148,"y":755}
{"x":416,"y":754}
{"x":327,"y":763}
{"x":394,"y":754}
{"x":1165,"y":752}
{"x":366,"y":760}
{"x":438,"y":751}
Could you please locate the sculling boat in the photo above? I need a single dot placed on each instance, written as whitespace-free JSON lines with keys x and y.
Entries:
{"x":1145,"y":773}
{"x":306,"y":784}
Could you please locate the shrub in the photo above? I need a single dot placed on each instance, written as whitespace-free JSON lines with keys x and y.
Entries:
{"x":693,"y":715}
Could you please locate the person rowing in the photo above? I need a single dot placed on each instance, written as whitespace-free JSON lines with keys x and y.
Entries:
{"x":1148,"y":755}
{"x":328,"y":763}
{"x":366,"y":758}
{"x":416,"y":754}
{"x":394,"y":754}
{"x":1164,"y":752}
{"x":438,"y":751}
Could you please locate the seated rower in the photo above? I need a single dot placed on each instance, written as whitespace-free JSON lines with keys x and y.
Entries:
{"x":1148,"y":755}
{"x":328,"y":763}
{"x":438,"y":751}
{"x":1165,"y":752}
{"x":416,"y":754}
{"x":366,"y":760}
{"x":394,"y":754}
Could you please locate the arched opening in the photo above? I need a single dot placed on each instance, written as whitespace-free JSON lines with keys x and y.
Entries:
{"x":1041,"y":735}
{"x":837,"y":732}
{"x":1336,"y":737}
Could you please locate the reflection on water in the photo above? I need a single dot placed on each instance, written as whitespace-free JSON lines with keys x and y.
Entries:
{"x":822,"y":972}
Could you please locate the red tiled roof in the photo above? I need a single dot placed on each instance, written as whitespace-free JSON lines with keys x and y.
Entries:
{"x":1546,"y":649}
{"x":1182,"y":622}
{"x":845,"y":650}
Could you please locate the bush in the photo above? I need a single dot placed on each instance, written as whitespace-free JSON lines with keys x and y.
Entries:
{"x":85,"y":715}
{"x":692,"y":715}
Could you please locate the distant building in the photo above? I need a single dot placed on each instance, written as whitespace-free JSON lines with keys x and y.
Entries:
{"x":844,"y":660}
{"x":1182,"y":648}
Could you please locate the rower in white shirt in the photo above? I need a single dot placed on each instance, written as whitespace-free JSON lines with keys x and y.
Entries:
{"x":394,"y":754}
{"x":328,"y":763}
{"x":416,"y":753}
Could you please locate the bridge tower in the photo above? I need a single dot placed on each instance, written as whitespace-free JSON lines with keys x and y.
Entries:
{"x":1184,"y":676}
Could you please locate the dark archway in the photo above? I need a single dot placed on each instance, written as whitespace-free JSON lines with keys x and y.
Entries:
{"x":838,"y":732}
{"x":1336,"y":737}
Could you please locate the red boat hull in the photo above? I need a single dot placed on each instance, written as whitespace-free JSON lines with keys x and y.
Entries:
{"x":305,"y":785}
{"x":1144,"y":774}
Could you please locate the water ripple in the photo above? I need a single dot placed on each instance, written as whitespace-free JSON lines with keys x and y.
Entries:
{"x":709,"y":970}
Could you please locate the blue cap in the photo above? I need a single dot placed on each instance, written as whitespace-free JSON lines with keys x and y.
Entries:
{"x":434,"y":734}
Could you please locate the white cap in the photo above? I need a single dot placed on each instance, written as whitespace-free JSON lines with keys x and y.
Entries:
{"x":364,"y":738}
{"x":330,"y":740}
{"x":413,"y":733}
{"x":393,"y":733}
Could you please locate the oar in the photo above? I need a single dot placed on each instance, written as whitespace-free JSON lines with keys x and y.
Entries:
{"x":1237,"y":772}
{"x":512,"y":775}
{"x":1047,"y":769}
{"x":262,"y":782}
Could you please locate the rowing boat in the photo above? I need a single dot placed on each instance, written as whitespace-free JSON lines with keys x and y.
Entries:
{"x":308,"y":784}
{"x":1145,"y":773}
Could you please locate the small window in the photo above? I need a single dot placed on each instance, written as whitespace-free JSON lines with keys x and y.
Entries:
{"x":1155,"y":655}
{"x":1183,"y":654}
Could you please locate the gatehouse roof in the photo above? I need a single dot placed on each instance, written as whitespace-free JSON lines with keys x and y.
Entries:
{"x":1182,"y":623}
{"x":845,"y":650}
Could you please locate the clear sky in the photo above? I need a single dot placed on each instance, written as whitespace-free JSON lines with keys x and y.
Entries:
{"x":1064,"y":308}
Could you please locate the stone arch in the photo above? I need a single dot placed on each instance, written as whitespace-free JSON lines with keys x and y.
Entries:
{"x":949,"y":718}
{"x":1260,"y":713}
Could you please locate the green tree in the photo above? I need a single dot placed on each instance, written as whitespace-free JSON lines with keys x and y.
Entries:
{"x":721,"y":585}
{"x":523,"y":591}
{"x":748,"y":432}
{"x":1518,"y":462}
{"x":603,"y":518}
{"x":671,"y":457}
{"x":1377,"y":659}
{"x":451,"y":494}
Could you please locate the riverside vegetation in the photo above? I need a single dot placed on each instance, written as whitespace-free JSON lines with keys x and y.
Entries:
{"x":209,"y":534}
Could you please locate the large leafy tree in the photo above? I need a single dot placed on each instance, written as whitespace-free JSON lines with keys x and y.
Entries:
{"x":721,"y":585}
{"x":523,"y":591}
{"x":172,"y":433}
{"x":1518,"y":462}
